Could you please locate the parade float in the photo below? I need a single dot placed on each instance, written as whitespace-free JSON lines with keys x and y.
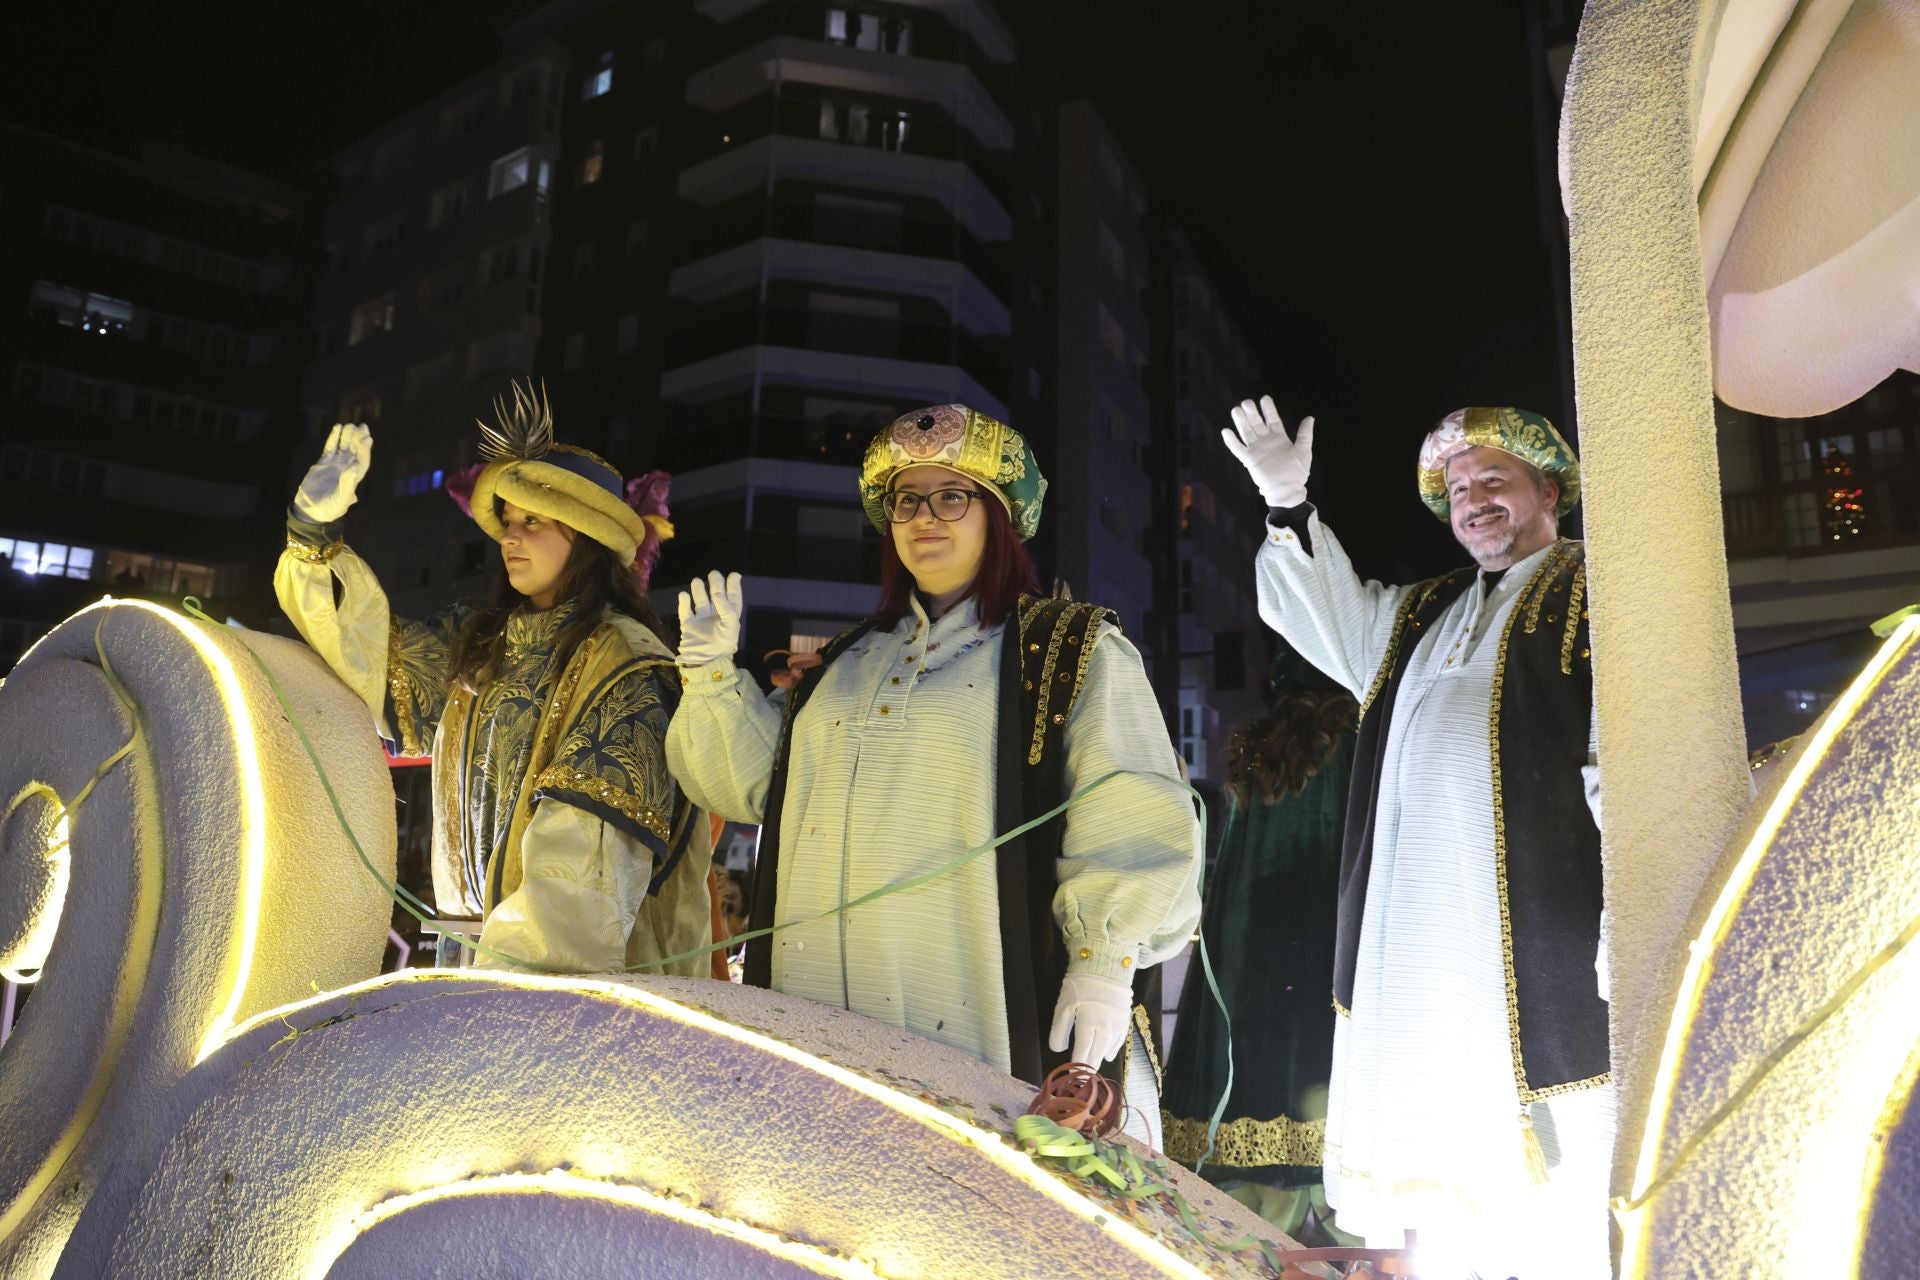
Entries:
{"x":210,"y":1077}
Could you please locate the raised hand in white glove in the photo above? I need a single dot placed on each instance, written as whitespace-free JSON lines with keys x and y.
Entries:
{"x":710,"y":619}
{"x":1096,"y":1011}
{"x":328,"y":489}
{"x":1278,"y":465}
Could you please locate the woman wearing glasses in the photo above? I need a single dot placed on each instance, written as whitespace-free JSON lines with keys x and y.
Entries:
{"x":964,"y":705}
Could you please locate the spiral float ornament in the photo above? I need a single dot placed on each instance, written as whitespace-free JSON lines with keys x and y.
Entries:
{"x":502,"y":1125}
{"x":169,"y":866}
{"x":1783,"y":1139}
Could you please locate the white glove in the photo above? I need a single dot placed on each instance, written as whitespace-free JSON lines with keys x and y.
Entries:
{"x":328,"y":490}
{"x":1278,"y":465}
{"x":1097,"y":1011}
{"x":710,"y":620}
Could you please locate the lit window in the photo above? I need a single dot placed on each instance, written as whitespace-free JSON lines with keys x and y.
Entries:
{"x":893,"y":132}
{"x":590,"y":165}
{"x":511,"y":172}
{"x":370,"y":318}
{"x":599,"y":80}
{"x":448,"y":203}
{"x":1112,"y":336}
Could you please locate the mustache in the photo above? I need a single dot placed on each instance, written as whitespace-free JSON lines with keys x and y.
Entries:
{"x":1484,"y":511}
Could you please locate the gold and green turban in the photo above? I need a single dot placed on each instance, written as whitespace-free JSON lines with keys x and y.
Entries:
{"x":965,"y":440}
{"x":1527,"y":436}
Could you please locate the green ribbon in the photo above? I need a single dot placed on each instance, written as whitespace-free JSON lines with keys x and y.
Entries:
{"x":421,"y":912}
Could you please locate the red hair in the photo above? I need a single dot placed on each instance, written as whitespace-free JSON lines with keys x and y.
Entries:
{"x":1006,"y":572}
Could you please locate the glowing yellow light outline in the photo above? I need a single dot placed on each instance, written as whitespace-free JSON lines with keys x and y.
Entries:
{"x":128,"y":984}
{"x":561,"y":1183}
{"x":253,"y":805}
{"x":987,"y":1141}
{"x":1892,"y":1113}
{"x":42,"y":928}
{"x":1634,"y":1220}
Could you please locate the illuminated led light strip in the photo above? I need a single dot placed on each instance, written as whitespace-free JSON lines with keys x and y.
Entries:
{"x":987,"y":1141}
{"x":253,"y":808}
{"x":41,"y":929}
{"x":1634,"y":1217}
{"x":129,"y":982}
{"x":1892,"y":1113}
{"x":559,"y":1183}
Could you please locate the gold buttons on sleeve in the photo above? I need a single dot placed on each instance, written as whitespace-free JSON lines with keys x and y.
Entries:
{"x":1126,"y":962}
{"x":1086,"y":953}
{"x":885,"y":710}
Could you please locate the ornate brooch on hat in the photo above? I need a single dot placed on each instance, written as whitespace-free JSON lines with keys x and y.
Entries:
{"x":1527,"y":436}
{"x":960,"y":439}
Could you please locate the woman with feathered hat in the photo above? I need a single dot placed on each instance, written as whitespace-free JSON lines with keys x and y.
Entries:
{"x":963,"y":706}
{"x":555,"y":821}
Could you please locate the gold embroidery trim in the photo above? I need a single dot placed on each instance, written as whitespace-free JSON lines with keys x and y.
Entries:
{"x":1086,"y":649}
{"x":563,"y":696}
{"x":1341,"y":1009}
{"x":1143,"y":1023}
{"x":1527,"y":1095}
{"x":1417,"y":597}
{"x":314,"y":555}
{"x":1575,"y":597}
{"x":400,"y":687}
{"x":1244,"y":1142}
{"x":1047,"y":667}
{"x":567,"y":778}
{"x":1534,"y":595}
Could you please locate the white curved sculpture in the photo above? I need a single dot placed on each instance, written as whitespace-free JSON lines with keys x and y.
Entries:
{"x":505,"y":1125}
{"x":1807,"y":165}
{"x":166,"y":891}
{"x":1781,"y":1140}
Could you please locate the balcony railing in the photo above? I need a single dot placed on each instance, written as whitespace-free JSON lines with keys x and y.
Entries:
{"x":928,"y":36}
{"x":891,"y":125}
{"x":703,"y":333}
{"x":803,"y":219}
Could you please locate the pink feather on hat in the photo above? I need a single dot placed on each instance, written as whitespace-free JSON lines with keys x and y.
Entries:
{"x":459,"y":487}
{"x":647,"y":495}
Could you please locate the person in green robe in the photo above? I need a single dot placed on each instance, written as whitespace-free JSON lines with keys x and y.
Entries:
{"x":1268,"y":923}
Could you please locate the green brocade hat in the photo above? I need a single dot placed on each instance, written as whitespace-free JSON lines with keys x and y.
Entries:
{"x":964,"y":440}
{"x":1527,"y":436}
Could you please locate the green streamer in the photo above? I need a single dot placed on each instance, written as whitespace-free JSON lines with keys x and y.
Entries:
{"x":421,"y":912}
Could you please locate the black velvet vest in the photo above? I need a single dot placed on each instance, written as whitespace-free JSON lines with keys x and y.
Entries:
{"x":1044,"y":654}
{"x":1546,"y":847}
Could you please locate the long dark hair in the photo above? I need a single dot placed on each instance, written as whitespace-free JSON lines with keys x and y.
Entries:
{"x":593,"y":577}
{"x":1006,"y":571}
{"x":1278,"y":755}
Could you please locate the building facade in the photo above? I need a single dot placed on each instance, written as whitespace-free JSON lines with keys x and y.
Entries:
{"x":438,"y":249}
{"x":1105,"y":516}
{"x":1823,"y":537}
{"x":732,"y":238}
{"x":1223,"y":643}
{"x":151,"y":320}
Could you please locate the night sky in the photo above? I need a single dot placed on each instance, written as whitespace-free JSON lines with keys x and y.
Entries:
{"x":1359,"y":178}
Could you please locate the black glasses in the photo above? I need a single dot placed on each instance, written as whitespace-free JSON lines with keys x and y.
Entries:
{"x":902,"y":505}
